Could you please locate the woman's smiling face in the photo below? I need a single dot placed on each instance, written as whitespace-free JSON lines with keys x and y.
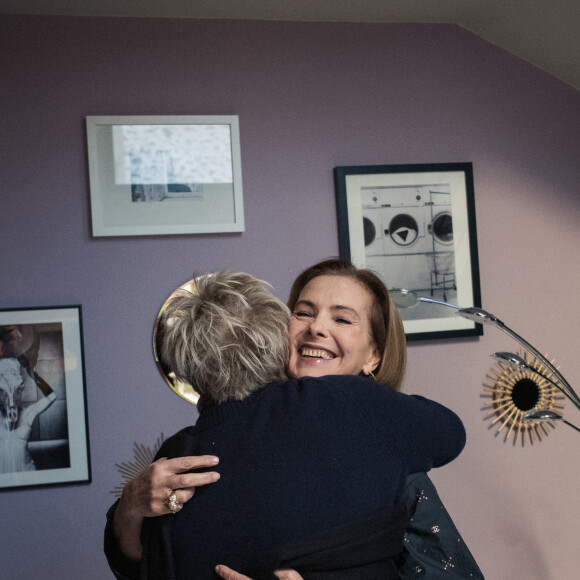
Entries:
{"x":330,"y":330}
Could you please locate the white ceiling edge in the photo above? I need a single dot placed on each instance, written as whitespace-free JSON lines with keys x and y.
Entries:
{"x":544,"y":33}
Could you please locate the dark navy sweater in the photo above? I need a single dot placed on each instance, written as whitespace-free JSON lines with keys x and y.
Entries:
{"x":296,"y":459}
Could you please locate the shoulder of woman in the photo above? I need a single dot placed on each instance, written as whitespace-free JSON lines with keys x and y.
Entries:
{"x":342,"y":381}
{"x":174,"y":445}
{"x":357,"y":390}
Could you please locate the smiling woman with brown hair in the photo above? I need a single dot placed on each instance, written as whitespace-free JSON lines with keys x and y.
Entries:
{"x":382,"y":321}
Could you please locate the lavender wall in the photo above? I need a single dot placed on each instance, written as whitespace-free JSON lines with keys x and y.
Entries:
{"x":309,"y":97}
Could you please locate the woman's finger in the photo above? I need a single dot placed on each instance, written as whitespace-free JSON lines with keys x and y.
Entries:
{"x":288,"y":575}
{"x":229,"y":574}
{"x":191,"y":480}
{"x":181,"y":464}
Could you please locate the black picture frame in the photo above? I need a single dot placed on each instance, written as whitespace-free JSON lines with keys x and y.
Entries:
{"x":415,"y":226}
{"x":44,"y":437}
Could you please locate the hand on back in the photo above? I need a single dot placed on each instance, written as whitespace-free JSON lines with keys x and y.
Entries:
{"x":229,"y":574}
{"x":146,"y":494}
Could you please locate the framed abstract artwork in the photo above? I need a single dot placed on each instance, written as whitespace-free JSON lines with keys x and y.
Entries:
{"x":161,"y":175}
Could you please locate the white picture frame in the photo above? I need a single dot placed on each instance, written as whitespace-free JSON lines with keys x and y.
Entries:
{"x":165,"y":175}
{"x":45,"y":347}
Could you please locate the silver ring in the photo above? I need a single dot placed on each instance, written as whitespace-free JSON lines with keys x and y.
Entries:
{"x":172,"y":503}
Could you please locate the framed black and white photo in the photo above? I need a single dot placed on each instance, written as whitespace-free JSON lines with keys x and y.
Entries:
{"x":160,"y":175}
{"x":43,"y":425}
{"x":414,"y":225}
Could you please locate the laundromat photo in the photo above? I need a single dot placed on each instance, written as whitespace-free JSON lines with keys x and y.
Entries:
{"x":414,"y":225}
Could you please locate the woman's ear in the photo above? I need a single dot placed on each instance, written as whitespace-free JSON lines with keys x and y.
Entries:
{"x":372,"y":362}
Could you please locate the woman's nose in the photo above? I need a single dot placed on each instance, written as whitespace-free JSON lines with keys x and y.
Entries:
{"x":318,"y":326}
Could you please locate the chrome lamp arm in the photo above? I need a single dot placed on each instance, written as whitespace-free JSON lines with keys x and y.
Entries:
{"x":481,"y":316}
{"x":405,"y":298}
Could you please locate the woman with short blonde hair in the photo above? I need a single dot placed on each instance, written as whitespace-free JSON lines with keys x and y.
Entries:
{"x":228,"y":338}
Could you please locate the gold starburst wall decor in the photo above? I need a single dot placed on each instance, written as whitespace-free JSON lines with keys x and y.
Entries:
{"x":143,"y":457}
{"x":513,"y":392}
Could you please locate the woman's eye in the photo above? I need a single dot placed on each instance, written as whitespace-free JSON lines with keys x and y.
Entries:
{"x":301,"y":314}
{"x":343,"y":321}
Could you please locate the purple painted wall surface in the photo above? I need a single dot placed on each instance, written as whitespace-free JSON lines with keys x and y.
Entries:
{"x":309,"y":97}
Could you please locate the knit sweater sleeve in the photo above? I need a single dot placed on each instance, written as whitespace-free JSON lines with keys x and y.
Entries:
{"x":423,"y":433}
{"x":124,"y":568}
{"x":438,"y":434}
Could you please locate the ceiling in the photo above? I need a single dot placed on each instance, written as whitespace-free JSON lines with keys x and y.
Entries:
{"x":545,"y":33}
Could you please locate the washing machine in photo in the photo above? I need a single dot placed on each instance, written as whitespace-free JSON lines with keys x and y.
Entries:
{"x":440,"y":220}
{"x":394,"y":220}
{"x":373,"y":231}
{"x":400,"y":230}
{"x":441,"y":231}
{"x":404,"y":230}
{"x":441,"y":261}
{"x":372,"y":222}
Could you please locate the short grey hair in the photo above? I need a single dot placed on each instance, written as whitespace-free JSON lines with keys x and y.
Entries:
{"x":228,"y":338}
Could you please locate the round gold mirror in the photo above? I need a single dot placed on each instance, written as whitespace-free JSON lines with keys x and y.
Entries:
{"x":184,"y":390}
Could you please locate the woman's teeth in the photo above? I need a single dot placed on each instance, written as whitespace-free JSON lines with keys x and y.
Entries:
{"x":316,"y":353}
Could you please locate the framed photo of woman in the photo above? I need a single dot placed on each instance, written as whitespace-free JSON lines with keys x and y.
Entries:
{"x":44,"y":436}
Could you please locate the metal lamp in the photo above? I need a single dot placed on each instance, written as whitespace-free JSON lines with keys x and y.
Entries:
{"x":407,"y":298}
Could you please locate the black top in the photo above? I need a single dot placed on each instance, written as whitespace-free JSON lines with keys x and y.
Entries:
{"x":306,"y":459}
